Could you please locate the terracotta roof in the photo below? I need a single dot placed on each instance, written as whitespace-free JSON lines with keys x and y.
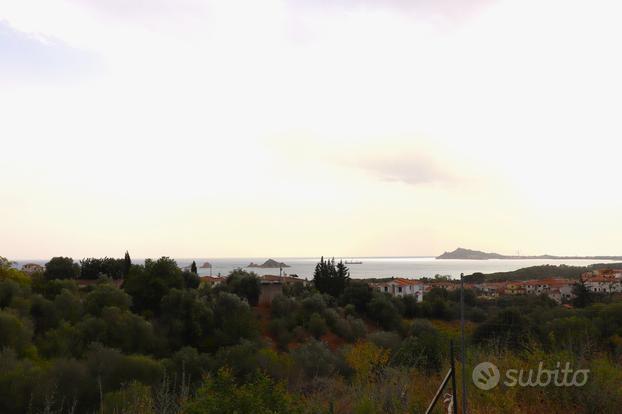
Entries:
{"x":600,"y":278}
{"x":406,"y":282}
{"x":534,"y":282}
{"x":496,"y":285}
{"x":286,"y":279}
{"x":561,"y":282}
{"x":212,"y":279}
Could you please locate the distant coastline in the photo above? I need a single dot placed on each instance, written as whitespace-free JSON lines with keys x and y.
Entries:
{"x":467,"y":254}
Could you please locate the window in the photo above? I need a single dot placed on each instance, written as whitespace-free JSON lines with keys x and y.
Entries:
{"x":386,"y":288}
{"x":399,"y":289}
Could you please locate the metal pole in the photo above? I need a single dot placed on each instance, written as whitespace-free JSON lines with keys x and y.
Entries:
{"x":454,"y":393}
{"x":439,"y":392}
{"x":462,"y":346}
{"x":451,"y":374}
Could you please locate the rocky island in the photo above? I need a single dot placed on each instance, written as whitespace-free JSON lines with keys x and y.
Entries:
{"x":268,"y":264}
{"x":467,"y":254}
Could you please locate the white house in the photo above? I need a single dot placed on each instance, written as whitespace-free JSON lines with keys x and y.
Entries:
{"x":400,"y":287}
{"x":603,"y":284}
{"x":31,"y":268}
{"x":561,"y":292}
{"x":537,"y":287}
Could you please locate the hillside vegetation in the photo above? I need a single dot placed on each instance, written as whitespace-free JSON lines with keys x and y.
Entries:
{"x":164,"y":343}
{"x":539,"y":272}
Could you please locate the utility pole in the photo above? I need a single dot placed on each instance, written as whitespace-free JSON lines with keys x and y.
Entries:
{"x":462,"y":346}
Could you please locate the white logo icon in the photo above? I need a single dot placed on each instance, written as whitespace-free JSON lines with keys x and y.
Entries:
{"x":486,"y":376}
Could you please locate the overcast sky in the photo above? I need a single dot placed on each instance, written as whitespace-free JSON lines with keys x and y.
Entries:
{"x":299,"y":128}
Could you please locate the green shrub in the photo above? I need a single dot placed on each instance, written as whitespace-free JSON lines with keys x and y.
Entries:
{"x":315,"y":359}
{"x":222,"y":394}
{"x":106,"y":295}
{"x":384,"y":339}
{"x":280,"y":330}
{"x":134,"y":398}
{"x":234,"y":320}
{"x":316,"y":325}
{"x":15,"y":333}
{"x":314,"y":304}
{"x":244,"y":284}
{"x":384,"y":312}
{"x":282,"y":306}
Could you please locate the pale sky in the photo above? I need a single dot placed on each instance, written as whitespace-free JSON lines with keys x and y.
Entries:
{"x":275,"y":128}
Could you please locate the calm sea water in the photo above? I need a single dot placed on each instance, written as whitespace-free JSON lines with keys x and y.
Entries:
{"x":383,"y":266}
{"x":412,"y":267}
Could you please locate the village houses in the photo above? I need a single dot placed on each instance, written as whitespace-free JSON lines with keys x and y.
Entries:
{"x":558,"y":289}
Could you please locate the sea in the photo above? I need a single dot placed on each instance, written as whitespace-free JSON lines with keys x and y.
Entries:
{"x":370,"y":267}
{"x":380,"y":267}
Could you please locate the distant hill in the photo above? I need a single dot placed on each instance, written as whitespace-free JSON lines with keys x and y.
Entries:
{"x":539,"y":272}
{"x":467,"y":254}
{"x":269,"y":264}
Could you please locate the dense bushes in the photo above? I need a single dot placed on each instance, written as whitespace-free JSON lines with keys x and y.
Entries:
{"x":104,"y":296}
{"x":148,"y":284}
{"x":15,"y":333}
{"x":93,"y":268}
{"x":61,"y":268}
{"x":244,"y":284}
{"x":106,"y":337}
{"x":222,"y":394}
{"x":383,"y":311}
{"x":424,"y":348}
{"x":187,"y":319}
{"x":508,"y":329}
{"x":315,"y":359}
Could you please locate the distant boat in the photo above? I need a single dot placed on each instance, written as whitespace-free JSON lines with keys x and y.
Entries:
{"x":353,"y":262}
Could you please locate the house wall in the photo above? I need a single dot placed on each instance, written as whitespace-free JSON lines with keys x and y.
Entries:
{"x":269,"y":291}
{"x":394,"y":290}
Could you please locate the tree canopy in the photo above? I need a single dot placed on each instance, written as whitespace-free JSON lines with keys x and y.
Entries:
{"x":330,"y":278}
{"x":61,"y":268}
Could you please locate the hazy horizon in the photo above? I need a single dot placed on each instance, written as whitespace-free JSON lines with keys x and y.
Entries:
{"x":230,"y":128}
{"x":317,"y":257}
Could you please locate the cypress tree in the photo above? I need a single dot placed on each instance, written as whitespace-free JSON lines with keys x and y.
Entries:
{"x":127,"y":263}
{"x":331,"y":279}
{"x":342,"y":278}
{"x":193,"y":267}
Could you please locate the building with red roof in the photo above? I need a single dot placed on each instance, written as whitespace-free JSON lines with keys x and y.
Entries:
{"x":400,"y":287}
